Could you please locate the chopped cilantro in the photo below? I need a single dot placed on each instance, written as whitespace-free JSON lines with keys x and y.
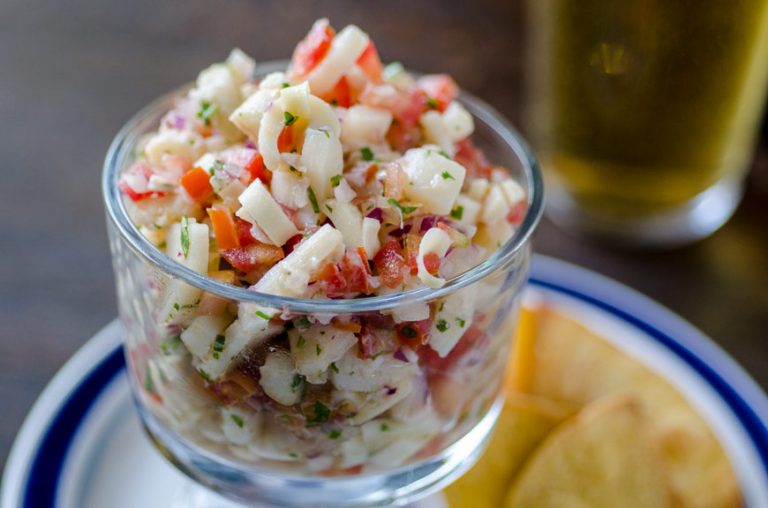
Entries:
{"x":322,"y":413}
{"x":404,"y":209}
{"x":298,"y":384}
{"x":366,"y":153}
{"x":176,"y":306}
{"x":301,"y":341}
{"x":289,"y":118}
{"x":218,"y":346}
{"x":185,"y":235}
{"x":263,"y":315}
{"x":149,"y":384}
{"x":334,"y":434}
{"x":216,"y":166}
{"x":286,"y":85}
{"x":293,"y":169}
{"x":442,"y":325}
{"x":293,"y":455}
{"x":313,"y":200}
{"x":318,"y":349}
{"x":326,"y":132}
{"x":334,"y":367}
{"x":447,"y":176}
{"x":206,"y":112}
{"x":330,"y":209}
{"x":432,"y":103}
{"x":303,"y":323}
{"x":458,"y":212}
{"x":461,"y":322}
{"x":444,"y":154}
{"x":336,"y":180}
{"x":384,"y":427}
{"x":205,"y":374}
{"x":237,"y":419}
{"x":170,"y":345}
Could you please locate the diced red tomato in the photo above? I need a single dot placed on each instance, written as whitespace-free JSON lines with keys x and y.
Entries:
{"x":390,"y":264}
{"x":414,"y":334}
{"x":517,"y":212}
{"x":473,"y":159}
{"x":310,"y":51}
{"x":411,"y":252}
{"x":285,"y":141}
{"x":292,"y":243}
{"x":244,"y":235}
{"x":403,"y":137}
{"x":254,"y":256}
{"x":351,"y":276}
{"x":255,"y":168}
{"x":440,"y":88}
{"x":141,"y":171}
{"x":341,"y":94}
{"x":432,"y":263}
{"x":370,"y":62}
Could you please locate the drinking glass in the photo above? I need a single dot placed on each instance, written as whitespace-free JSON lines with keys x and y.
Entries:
{"x":644,"y":113}
{"x":420,"y":420}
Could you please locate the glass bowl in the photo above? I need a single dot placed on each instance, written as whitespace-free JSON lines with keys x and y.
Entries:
{"x":359,"y":430}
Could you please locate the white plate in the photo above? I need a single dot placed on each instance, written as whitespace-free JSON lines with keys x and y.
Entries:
{"x":82,"y":445}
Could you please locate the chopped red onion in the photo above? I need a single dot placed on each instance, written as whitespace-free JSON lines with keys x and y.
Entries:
{"x":376,"y":213}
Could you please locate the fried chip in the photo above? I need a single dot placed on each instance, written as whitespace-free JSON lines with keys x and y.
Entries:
{"x":523,"y":423}
{"x":602,"y":457}
{"x":571,"y":363}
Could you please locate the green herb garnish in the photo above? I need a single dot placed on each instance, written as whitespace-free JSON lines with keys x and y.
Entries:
{"x":366,"y":153}
{"x":336,"y":180}
{"x":218,"y":346}
{"x":404,"y":209}
{"x":301,"y":341}
{"x":313,"y":200}
{"x":285,"y":85}
{"x":298,"y":384}
{"x":334,"y":434}
{"x":329,"y":208}
{"x":149,"y":384}
{"x":318,"y":349}
{"x":207,"y":110}
{"x":303,"y":323}
{"x":237,"y":419}
{"x":445,"y":154}
{"x":322,"y":413}
{"x":169,"y":346}
{"x":461,"y":322}
{"x":289,"y":118}
{"x":432,"y":103}
{"x":263,"y":315}
{"x":334,"y":367}
{"x":185,"y":235}
{"x":458,"y":212}
{"x":447,"y":176}
{"x":442,"y":325}
{"x":384,"y":427}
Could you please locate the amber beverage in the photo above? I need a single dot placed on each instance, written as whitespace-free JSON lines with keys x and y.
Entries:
{"x":644,"y":113}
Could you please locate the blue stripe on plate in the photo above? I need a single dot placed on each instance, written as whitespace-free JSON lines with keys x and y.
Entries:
{"x":44,"y":475}
{"x":753,"y":425}
{"x":45,"y":472}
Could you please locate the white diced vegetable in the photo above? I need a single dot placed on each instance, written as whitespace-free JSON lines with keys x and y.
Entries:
{"x":342,"y":191}
{"x":217,"y":85}
{"x":436,"y":131}
{"x":200,"y":335}
{"x":273,"y":81}
{"x":172,"y":142}
{"x":259,"y":207}
{"x":433,"y":180}
{"x":323,"y":158}
{"x":238,"y":426}
{"x":290,"y":276}
{"x":435,"y":241}
{"x":370,"y":235}
{"x":478,"y":188}
{"x":493,"y":237}
{"x":247,"y":117}
{"x":495,"y":208}
{"x":289,"y":189}
{"x":458,"y":121}
{"x":188,"y":243}
{"x":453,"y":317}
{"x":370,"y":374}
{"x":280,"y":380}
{"x":353,"y":452}
{"x":410,"y":312}
{"x":347,"y":218}
{"x":241,"y":65}
{"x":512,"y":191}
{"x":315,"y":348}
{"x":469,"y":211}
{"x":295,"y":100}
{"x":364,"y":126}
{"x":345,"y":49}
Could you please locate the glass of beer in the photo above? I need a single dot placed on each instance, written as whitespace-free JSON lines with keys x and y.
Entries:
{"x":645,"y":113}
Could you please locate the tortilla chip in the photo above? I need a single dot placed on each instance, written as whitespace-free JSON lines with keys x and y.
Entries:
{"x":602,"y":457}
{"x":573,"y":364}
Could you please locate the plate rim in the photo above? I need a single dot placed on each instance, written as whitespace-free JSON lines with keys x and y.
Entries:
{"x":635,"y":308}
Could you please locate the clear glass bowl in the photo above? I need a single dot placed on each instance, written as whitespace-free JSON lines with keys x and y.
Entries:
{"x":388,"y":428}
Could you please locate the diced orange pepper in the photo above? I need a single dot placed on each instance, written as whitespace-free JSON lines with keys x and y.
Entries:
{"x":197,"y":183}
{"x":223,"y":228}
{"x":285,"y":141}
{"x":341,"y":93}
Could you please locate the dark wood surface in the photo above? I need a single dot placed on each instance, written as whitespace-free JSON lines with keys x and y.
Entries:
{"x":73,"y":72}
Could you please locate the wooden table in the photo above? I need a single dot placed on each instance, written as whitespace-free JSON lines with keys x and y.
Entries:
{"x":73,"y":72}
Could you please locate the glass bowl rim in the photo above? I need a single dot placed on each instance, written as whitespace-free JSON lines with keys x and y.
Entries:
{"x":118,"y":216}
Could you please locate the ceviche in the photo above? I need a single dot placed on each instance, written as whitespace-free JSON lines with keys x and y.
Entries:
{"x":339,"y":178}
